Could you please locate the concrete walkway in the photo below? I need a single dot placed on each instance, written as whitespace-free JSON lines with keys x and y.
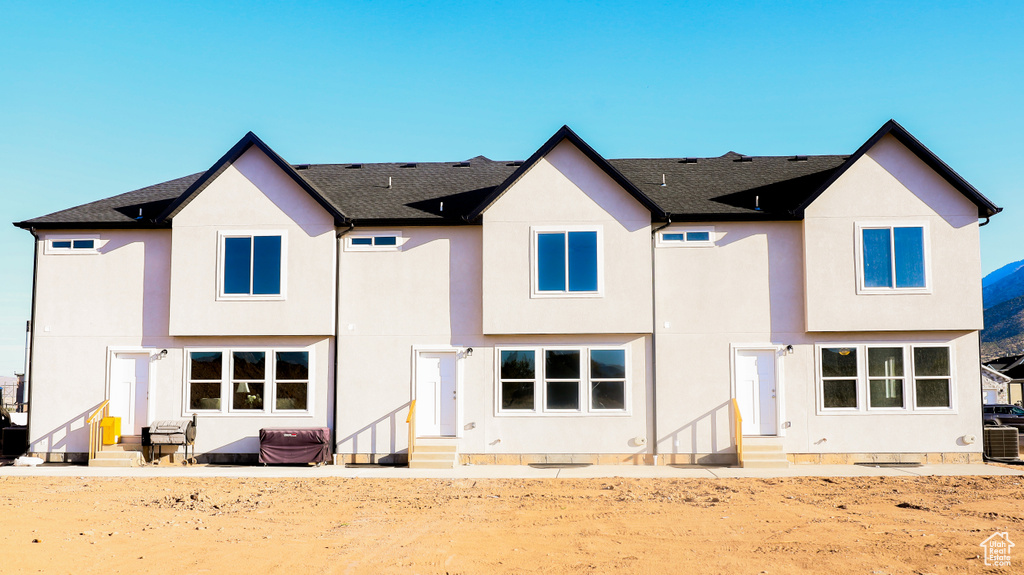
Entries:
{"x":505,"y":471}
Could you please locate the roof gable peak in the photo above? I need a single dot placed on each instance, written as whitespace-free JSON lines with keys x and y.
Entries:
{"x":248,"y":141}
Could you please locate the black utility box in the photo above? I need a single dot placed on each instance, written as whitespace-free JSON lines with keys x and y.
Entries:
{"x":15,"y":441}
{"x":295,"y":445}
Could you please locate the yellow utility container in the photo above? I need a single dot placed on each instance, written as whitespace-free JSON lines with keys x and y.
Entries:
{"x":111,"y":427}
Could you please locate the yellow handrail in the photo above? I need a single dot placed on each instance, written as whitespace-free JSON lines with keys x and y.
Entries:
{"x":739,"y":432}
{"x":93,"y":421}
{"x":411,"y":420}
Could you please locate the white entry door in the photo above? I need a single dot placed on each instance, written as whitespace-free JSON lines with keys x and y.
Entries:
{"x":755,"y":391}
{"x":129,"y":391}
{"x":436,"y":398}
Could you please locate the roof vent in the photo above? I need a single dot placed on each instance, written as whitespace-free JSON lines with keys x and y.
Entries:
{"x":799,"y":159}
{"x":688,"y":161}
{"x":408,"y":165}
{"x":302,"y":167}
{"x":745,"y":159}
{"x":461,"y":165}
{"x":354,"y":167}
{"x":514,"y":164}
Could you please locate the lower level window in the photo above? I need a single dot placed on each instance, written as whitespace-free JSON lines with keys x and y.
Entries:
{"x":877,"y":376}
{"x":248,"y":381}
{"x":562,"y":380}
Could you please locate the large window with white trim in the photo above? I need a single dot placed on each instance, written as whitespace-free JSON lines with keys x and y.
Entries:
{"x":248,"y":381}
{"x":562,"y":380}
{"x":892,"y":257}
{"x":885,"y":377}
{"x":567,"y":261}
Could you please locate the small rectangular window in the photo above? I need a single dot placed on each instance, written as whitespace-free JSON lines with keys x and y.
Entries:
{"x":374,"y":242}
{"x":839,"y":377}
{"x":893,"y":257}
{"x":932,"y":377}
{"x":608,"y":379}
{"x":205,"y":373}
{"x":562,"y":380}
{"x":248,"y":373}
{"x":291,"y":380}
{"x":72,"y":245}
{"x":517,"y":380}
{"x":687,"y":237}
{"x":885,"y":377}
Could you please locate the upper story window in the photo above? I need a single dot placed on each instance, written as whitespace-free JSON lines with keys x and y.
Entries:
{"x":374,"y":242}
{"x":892,"y":258}
{"x":252,"y":265}
{"x":73,"y":245}
{"x":567,"y":261}
{"x":690,"y":237}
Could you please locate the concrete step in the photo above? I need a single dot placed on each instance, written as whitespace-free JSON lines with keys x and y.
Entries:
{"x":761,"y":448}
{"x":414,"y":464}
{"x":433,"y":456}
{"x":117,"y":459}
{"x":765,"y":464}
{"x":437,"y":441}
{"x":763,"y":456}
{"x":122,"y":448}
{"x":435,"y":448}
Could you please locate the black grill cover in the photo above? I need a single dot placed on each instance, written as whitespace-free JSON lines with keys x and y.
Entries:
{"x":295,"y":444}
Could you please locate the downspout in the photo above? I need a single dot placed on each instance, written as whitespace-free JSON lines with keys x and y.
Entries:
{"x":337,"y":329}
{"x":32,"y":337}
{"x":654,"y":338}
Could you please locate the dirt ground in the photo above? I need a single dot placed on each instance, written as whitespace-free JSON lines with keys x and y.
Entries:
{"x":337,"y":525}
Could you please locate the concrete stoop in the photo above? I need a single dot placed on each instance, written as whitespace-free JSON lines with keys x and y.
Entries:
{"x":435,"y":453}
{"x":127,"y":453}
{"x":764,"y":453}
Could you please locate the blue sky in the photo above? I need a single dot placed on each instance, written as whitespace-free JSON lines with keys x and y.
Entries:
{"x":101,"y":98}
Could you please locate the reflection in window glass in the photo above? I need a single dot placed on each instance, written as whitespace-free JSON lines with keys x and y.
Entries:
{"x":909,"y":243}
{"x":608,"y":394}
{"x":266,"y":265}
{"x":582,"y":261}
{"x":236,"y":265}
{"x":83,"y":244}
{"x":562,"y":364}
{"x":206,"y":365}
{"x":563,"y":395}
{"x":885,"y":376}
{"x":385,"y":241}
{"x":65,"y":244}
{"x":932,"y":377}
{"x":362,"y":241}
{"x":698,"y":236}
{"x":518,"y":379}
{"x":292,"y":364}
{"x":608,"y":363}
{"x":877,"y":258}
{"x":248,"y":365}
{"x":291,"y":380}
{"x":551,"y":262}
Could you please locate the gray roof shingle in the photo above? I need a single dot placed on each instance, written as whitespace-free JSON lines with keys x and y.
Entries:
{"x":709,"y":187}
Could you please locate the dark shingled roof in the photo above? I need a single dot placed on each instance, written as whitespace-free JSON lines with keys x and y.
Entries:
{"x":729,"y":187}
{"x":723,"y":188}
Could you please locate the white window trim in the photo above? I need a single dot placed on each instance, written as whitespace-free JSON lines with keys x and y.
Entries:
{"x":710,"y":243}
{"x":535,"y":291}
{"x":863,"y":389}
{"x":399,"y":242}
{"x":224,"y":234}
{"x":269,"y":384}
{"x":859,"y":239}
{"x":49,"y":249}
{"x":540,"y":387}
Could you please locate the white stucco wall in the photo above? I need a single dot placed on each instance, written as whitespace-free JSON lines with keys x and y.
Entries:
{"x":889,"y":184}
{"x":85,"y":304}
{"x":427,"y":295}
{"x":90,"y":305}
{"x":566,"y":188}
{"x":747,"y":291}
{"x":253,"y":194}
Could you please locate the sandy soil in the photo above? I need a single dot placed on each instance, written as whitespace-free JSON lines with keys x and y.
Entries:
{"x":794,"y":525}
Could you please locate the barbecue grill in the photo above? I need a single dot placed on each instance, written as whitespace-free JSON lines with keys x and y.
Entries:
{"x":174,"y":432}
